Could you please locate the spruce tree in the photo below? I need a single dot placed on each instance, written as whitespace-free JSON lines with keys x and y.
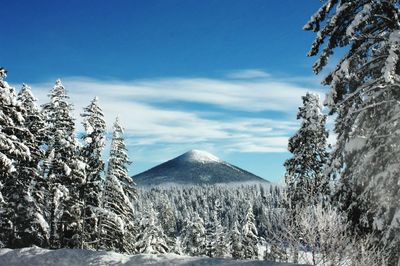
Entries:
{"x":305,"y":181}
{"x":31,"y":223}
{"x":94,"y":142}
{"x":14,"y":155}
{"x":118,"y":233}
{"x":365,"y":97}
{"x":166,"y":214}
{"x":221,"y":243}
{"x":64,"y":171}
{"x":236,"y":245}
{"x":111,"y":225}
{"x":210,"y":231}
{"x":216,"y":243}
{"x":151,"y":238}
{"x":249,"y":236}
{"x":194,"y":236}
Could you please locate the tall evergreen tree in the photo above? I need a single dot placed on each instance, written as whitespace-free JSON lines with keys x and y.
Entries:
{"x":210,"y":231}
{"x":305,"y":179}
{"x":221,"y":242}
{"x":31,"y":223}
{"x":111,"y":225}
{"x":64,"y":171}
{"x":94,"y":142}
{"x":249,"y":236}
{"x":216,"y":243}
{"x":14,"y":154}
{"x":306,"y":182}
{"x":167,"y":215}
{"x":151,"y":238}
{"x":236,"y":245}
{"x":119,"y":194}
{"x":365,"y":96}
{"x":194,"y":236}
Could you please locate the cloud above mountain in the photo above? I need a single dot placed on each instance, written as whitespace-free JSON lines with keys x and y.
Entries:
{"x":244,"y":111}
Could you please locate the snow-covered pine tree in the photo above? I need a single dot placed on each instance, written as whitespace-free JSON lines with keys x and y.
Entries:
{"x":33,"y":117}
{"x":30,"y":221}
{"x":64,"y":171}
{"x":365,"y":96}
{"x":13,"y":155}
{"x":151,"y":238}
{"x":216,"y":244}
{"x":117,"y":227}
{"x":221,"y":243}
{"x":305,"y":181}
{"x":167,"y":215}
{"x":94,"y":142}
{"x":236,"y":245}
{"x":193,"y":236}
{"x":249,"y":236}
{"x":210,"y":231}
{"x":111,"y":225}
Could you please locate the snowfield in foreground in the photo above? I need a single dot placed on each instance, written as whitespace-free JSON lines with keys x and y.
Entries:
{"x":78,"y":257}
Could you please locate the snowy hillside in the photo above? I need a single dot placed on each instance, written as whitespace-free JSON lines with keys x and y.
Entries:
{"x":77,"y":257}
{"x":195,"y":167}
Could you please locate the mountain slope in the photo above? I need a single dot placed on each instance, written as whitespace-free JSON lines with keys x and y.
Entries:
{"x":195,"y":167}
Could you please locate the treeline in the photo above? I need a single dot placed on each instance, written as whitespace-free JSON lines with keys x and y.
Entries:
{"x":53,"y":189}
{"x":215,"y":221}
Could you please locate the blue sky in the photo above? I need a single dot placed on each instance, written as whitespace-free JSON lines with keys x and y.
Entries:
{"x":220,"y":75}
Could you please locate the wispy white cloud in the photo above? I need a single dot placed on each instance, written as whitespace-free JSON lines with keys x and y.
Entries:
{"x":159,"y":116}
{"x":251,"y":95}
{"x":248,"y":74}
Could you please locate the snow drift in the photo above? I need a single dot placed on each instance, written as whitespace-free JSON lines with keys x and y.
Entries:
{"x":78,"y":257}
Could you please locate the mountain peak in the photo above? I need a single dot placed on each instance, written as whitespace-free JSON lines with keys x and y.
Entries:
{"x":195,"y":167}
{"x":199,"y":156}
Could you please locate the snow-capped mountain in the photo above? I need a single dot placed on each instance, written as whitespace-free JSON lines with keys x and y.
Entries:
{"x":195,"y":167}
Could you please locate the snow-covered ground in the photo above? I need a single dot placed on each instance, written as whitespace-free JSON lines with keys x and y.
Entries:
{"x":77,"y":257}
